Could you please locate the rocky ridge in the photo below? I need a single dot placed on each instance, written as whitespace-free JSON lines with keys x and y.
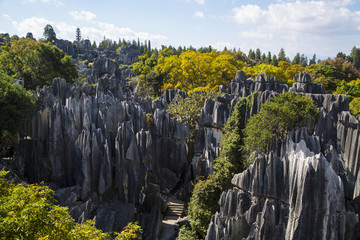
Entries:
{"x":305,"y":188}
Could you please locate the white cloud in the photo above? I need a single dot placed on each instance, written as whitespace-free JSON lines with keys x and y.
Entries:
{"x":96,"y":31}
{"x":297,"y":23}
{"x":249,"y":14}
{"x":199,"y":14}
{"x":201,"y":2}
{"x":315,"y":17}
{"x":6,"y":16}
{"x":57,"y":3}
{"x":34,"y":25}
{"x":255,"y":35}
{"x":83,"y":15}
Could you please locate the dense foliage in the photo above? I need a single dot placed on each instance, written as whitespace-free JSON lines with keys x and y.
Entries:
{"x":16,"y":105}
{"x":36,"y":63}
{"x":352,"y":91}
{"x":276,"y":118}
{"x":332,"y":71}
{"x":190,"y":71}
{"x":204,"y":200}
{"x":28,"y":212}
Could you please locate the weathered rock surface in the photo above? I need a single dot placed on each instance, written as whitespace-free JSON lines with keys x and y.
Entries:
{"x":92,"y":140}
{"x":275,"y":196}
{"x":94,"y":145}
{"x":303,"y":84}
{"x":306,"y":188}
{"x":243,"y":87}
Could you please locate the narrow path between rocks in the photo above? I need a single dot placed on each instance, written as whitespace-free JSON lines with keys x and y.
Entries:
{"x":169,"y":226}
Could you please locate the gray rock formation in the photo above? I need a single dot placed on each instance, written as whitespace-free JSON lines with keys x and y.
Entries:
{"x":128,"y":55}
{"x":275,"y":197}
{"x":81,"y":49}
{"x":91,"y":141}
{"x":306,"y":188}
{"x":303,"y":84}
{"x":243,"y":87}
{"x":106,"y":162}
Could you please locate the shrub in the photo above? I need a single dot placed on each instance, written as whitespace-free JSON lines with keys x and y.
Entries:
{"x":28,"y":212}
{"x":17,"y":105}
{"x":275,"y":119}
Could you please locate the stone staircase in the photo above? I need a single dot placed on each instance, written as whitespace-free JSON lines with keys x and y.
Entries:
{"x":169,"y":226}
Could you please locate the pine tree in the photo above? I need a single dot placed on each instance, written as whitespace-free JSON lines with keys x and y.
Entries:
{"x":274,"y":61}
{"x":258,"y":54}
{"x":282,"y":55}
{"x":251,"y":54}
{"x":268,"y":58}
{"x":78,"y":34}
{"x":313,"y":60}
{"x":296,"y":59}
{"x":355,"y":55}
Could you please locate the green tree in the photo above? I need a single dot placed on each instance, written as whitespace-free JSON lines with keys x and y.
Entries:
{"x":282,"y":55}
{"x":296,"y":59}
{"x":149,"y":84}
{"x":36,"y":63}
{"x":17,"y":105}
{"x":332,"y":71}
{"x":29,"y":212}
{"x":204,"y":200}
{"x":355,"y":55}
{"x":313,"y":60}
{"x":275,"y":119}
{"x":14,"y":37}
{"x":251,"y":54}
{"x":94,"y":44}
{"x":257,"y":54}
{"x":352,"y":91}
{"x":355,"y":106}
{"x":303,"y":60}
{"x":78,"y":34}
{"x":188,"y":109}
{"x":274,"y":61}
{"x":49,"y":33}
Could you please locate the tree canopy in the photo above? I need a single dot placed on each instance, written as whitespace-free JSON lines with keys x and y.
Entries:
{"x":36,"y":63}
{"x":190,"y":71}
{"x":29,"y":212}
{"x":16,"y":104}
{"x":49,"y":33}
{"x":276,"y":118}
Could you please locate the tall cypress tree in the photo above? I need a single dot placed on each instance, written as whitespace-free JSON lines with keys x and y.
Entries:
{"x":78,"y":34}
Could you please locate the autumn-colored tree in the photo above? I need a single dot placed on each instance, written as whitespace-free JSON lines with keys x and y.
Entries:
{"x":190,"y":71}
{"x":332,"y":71}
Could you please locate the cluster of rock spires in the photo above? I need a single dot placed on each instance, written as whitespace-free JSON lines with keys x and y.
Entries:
{"x":115,"y":158}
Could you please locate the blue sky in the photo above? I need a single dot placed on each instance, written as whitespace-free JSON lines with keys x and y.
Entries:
{"x":321,"y":27}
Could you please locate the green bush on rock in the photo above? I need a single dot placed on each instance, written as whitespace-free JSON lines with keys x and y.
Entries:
{"x":275,"y":119}
{"x":29,"y":212}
